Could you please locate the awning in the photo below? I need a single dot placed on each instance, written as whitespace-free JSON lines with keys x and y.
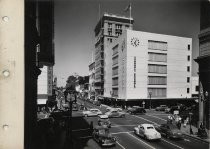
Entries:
{"x":41,"y":101}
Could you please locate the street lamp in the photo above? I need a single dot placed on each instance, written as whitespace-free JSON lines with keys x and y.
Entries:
{"x":150,"y":94}
{"x":190,"y":114}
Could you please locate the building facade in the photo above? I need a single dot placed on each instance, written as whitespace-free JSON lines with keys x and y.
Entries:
{"x":45,"y":85}
{"x":108,"y":29}
{"x":203,"y":61}
{"x":195,"y":87}
{"x":39,"y":52}
{"x":91,"y":80}
{"x":141,"y":65}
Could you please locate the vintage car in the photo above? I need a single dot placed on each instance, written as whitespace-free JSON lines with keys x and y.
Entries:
{"x":147,"y":131}
{"x":115,"y":113}
{"x":170,"y":131}
{"x":104,"y":120}
{"x":161,"y":108}
{"x":103,"y":137}
{"x":92,"y":112}
{"x":137,"y":110}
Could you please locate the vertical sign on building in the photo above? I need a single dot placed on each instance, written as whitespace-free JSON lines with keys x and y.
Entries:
{"x":50,"y":80}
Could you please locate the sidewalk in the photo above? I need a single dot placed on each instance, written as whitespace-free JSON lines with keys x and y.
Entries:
{"x":186,"y":131}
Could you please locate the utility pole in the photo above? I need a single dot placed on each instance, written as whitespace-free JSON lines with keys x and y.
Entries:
{"x":150,"y":94}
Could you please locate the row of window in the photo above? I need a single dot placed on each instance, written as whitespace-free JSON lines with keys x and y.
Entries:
{"x":161,"y":69}
{"x":118,"y":26}
{"x":157,"y":80}
{"x":157,"y":45}
{"x":114,"y":81}
{"x":156,"y":92}
{"x":157,"y":57}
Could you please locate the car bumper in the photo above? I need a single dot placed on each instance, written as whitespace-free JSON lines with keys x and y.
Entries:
{"x":108,"y":143}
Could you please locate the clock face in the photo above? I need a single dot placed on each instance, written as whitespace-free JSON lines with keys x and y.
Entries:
{"x":135,"y":42}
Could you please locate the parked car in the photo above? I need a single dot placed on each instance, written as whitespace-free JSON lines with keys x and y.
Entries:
{"x":104,"y":120}
{"x":167,"y":110}
{"x":161,"y":108}
{"x":108,"y":109}
{"x":103,"y":137}
{"x":170,"y":131}
{"x":115,"y":113}
{"x":147,"y":131}
{"x":92,"y":112}
{"x":137,"y":110}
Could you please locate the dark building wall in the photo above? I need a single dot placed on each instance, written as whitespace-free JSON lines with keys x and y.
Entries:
{"x":34,"y":36}
{"x":204,"y":60}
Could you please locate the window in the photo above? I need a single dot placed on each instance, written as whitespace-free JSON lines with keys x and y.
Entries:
{"x":134,"y":63}
{"x":188,"y":68}
{"x":115,"y":60}
{"x":188,"y":90}
{"x":115,"y":71}
{"x":188,"y":79}
{"x":109,"y":25}
{"x":109,"y":40}
{"x":157,"y":57}
{"x":157,"y":80}
{"x":115,"y":50}
{"x":188,"y":47}
{"x":115,"y":91}
{"x":152,"y":68}
{"x":188,"y":58}
{"x":157,"y":92}
{"x":157,"y":45}
{"x":196,"y":88}
{"x":109,"y":33}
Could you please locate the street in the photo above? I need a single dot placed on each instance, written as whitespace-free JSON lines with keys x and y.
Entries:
{"x":122,"y":129}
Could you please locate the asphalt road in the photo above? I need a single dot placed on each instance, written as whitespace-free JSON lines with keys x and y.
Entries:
{"x":122,"y":129}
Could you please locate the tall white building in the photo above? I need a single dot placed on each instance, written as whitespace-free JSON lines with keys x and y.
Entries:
{"x":139,"y":64}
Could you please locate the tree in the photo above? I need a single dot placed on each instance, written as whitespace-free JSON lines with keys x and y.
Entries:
{"x":71,"y":83}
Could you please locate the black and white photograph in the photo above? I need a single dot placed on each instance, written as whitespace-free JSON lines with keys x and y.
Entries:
{"x":118,"y":74}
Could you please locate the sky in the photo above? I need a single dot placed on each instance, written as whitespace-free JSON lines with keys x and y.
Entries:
{"x":75,"y":21}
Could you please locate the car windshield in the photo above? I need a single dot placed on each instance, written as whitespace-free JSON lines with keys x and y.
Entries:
{"x":103,"y":131}
{"x":150,"y":127}
{"x":104,"y":119}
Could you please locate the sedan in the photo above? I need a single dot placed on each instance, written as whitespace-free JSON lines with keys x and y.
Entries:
{"x":92,"y":112}
{"x":147,"y":131}
{"x":170,"y":131}
{"x":115,"y":113}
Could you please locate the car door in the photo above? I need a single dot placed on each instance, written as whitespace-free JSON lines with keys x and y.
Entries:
{"x":141,"y":131}
{"x":114,"y":114}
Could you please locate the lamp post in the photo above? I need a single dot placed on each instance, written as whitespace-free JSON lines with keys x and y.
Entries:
{"x":190,"y":119}
{"x":150,"y":94}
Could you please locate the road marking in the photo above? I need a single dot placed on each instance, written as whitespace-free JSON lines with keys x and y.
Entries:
{"x":141,"y":141}
{"x":146,"y":120}
{"x":123,"y":125}
{"x":115,"y":133}
{"x":172,"y":144}
{"x":120,"y":145}
{"x":81,"y":129}
{"x":156,"y":117}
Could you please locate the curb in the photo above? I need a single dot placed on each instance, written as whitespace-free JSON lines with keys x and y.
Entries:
{"x":195,"y":138}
